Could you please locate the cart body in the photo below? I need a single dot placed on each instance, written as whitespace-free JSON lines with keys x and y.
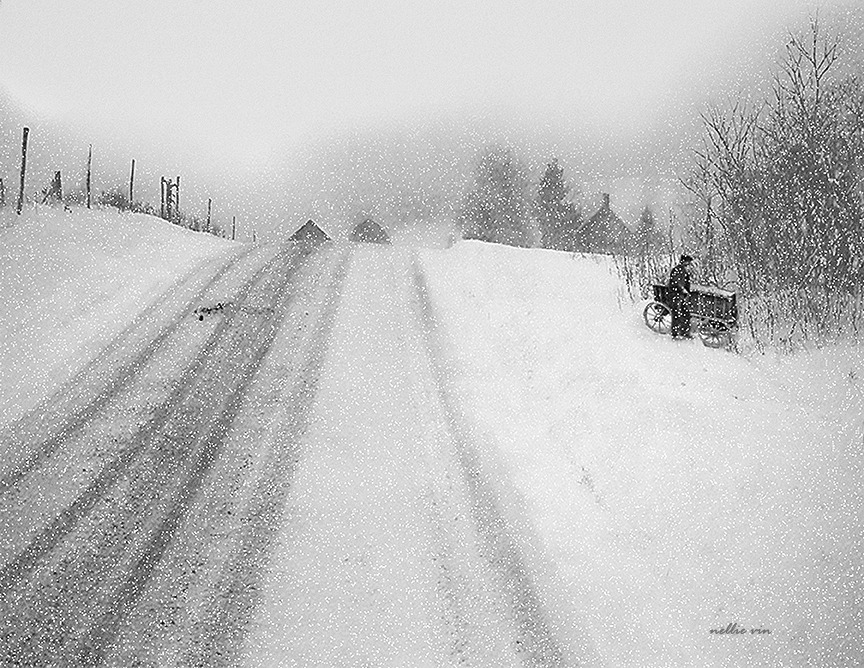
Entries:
{"x":713,"y":312}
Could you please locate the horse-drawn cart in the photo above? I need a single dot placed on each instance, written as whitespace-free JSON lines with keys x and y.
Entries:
{"x":713,"y":312}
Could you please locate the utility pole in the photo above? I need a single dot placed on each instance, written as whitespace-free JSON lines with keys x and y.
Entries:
{"x":2,"y":194}
{"x":209,"y":203}
{"x":177,"y":195}
{"x":23,"y":169}
{"x":131,"y":183}
{"x":233,"y":220}
{"x":89,"y":164}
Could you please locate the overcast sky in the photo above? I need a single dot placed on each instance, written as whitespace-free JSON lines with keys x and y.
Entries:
{"x":252,"y":81}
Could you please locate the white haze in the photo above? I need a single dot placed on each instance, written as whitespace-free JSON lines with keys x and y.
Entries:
{"x":281,"y":111}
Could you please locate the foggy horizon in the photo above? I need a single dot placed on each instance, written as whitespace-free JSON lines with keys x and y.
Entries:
{"x":281,"y":113}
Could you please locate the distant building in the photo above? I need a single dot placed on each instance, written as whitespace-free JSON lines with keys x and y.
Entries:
{"x":370,"y":232}
{"x":310,"y":233}
{"x":605,"y":231}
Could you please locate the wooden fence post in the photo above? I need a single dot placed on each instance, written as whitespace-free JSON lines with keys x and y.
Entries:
{"x":169,"y":201}
{"x":23,"y":169}
{"x":162,"y":197}
{"x":131,"y":183}
{"x":233,"y":223}
{"x":2,"y":194}
{"x":175,"y":200}
{"x":89,"y":164}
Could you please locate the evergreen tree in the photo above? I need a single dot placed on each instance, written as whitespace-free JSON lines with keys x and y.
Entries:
{"x":551,"y":203}
{"x":647,"y":237}
{"x":559,"y":221}
{"x":553,"y":191}
{"x":498,"y":209}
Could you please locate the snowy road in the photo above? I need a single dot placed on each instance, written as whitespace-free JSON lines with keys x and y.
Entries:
{"x":390,"y":525}
{"x":285,"y":482}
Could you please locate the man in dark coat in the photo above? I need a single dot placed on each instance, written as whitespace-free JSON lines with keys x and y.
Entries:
{"x":679,"y":296}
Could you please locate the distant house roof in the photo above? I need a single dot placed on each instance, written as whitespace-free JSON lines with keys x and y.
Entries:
{"x":605,"y":228}
{"x":310,"y":232}
{"x":370,"y":232}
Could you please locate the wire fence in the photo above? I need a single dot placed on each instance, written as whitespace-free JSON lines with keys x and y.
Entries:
{"x":57,"y":193}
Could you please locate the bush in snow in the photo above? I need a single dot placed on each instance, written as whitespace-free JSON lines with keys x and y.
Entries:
{"x":782,"y":185}
{"x":116,"y":197}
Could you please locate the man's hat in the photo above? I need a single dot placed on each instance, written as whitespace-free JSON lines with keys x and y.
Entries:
{"x":686,"y":258}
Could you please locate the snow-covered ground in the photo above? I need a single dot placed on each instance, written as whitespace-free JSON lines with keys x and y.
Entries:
{"x":483,"y":458}
{"x":72,"y":281}
{"x":675,"y":489}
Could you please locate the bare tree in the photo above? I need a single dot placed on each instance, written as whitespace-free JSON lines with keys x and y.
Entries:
{"x":782,"y":186}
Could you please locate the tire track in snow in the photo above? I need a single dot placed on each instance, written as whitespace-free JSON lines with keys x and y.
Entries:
{"x":81,"y":398}
{"x":22,"y":565}
{"x":218,"y":637}
{"x":379,"y":560}
{"x":535,"y":642}
{"x":219,"y":633}
{"x":195,"y":609}
{"x":67,"y":593}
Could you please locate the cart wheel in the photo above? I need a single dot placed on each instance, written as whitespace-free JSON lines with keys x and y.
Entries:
{"x":658,"y":317}
{"x":714,"y":335}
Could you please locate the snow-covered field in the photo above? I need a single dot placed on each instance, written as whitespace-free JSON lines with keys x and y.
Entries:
{"x":72,"y":281}
{"x":674,"y":488}
{"x":641,"y":491}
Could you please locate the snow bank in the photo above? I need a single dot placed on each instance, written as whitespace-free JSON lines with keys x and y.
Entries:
{"x":675,"y":489}
{"x":426,"y":234}
{"x":71,"y":281}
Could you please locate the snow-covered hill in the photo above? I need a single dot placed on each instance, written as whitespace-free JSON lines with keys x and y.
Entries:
{"x":72,"y":281}
{"x":675,"y":489}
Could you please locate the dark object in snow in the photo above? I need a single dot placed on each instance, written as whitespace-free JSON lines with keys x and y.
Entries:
{"x":310,"y":233}
{"x":713,"y":311}
{"x":605,"y":232}
{"x":370,"y":232}
{"x":201,"y":311}
{"x":678,"y":294}
{"x":23,"y":169}
{"x":54,"y":192}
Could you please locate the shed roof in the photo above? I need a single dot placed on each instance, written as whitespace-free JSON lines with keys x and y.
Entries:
{"x":370,"y":232}
{"x":309,"y":231}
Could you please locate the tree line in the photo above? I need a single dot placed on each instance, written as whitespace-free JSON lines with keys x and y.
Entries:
{"x":780,"y":185}
{"x":772,"y":204}
{"x":503,"y":206}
